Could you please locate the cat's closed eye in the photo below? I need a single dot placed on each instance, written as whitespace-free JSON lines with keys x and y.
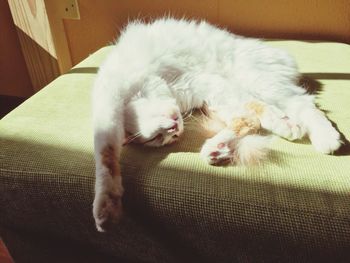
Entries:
{"x":159,"y":136}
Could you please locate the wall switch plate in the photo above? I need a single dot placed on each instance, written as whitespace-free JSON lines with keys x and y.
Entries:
{"x":70,"y":9}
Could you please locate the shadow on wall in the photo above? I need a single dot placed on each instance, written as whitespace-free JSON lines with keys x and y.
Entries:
{"x":14,"y":78}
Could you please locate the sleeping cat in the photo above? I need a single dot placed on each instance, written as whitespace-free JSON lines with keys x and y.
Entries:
{"x":160,"y":70}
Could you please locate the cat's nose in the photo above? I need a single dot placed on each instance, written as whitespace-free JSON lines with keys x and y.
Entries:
{"x":174,"y":117}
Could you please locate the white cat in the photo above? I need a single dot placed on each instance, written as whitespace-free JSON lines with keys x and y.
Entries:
{"x":157,"y":71}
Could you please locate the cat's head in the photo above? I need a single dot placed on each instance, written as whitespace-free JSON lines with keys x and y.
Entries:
{"x":153,"y":122}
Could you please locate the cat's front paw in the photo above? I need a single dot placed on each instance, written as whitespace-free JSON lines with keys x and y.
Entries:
{"x":219,"y":149}
{"x":107,"y":209}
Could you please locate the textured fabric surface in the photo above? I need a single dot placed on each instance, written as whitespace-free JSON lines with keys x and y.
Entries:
{"x":26,"y":246}
{"x":179,"y":209}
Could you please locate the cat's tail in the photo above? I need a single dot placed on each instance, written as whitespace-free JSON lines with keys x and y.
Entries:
{"x":251,"y":149}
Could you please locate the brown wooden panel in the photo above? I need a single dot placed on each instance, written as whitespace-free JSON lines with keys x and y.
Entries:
{"x":34,"y":33}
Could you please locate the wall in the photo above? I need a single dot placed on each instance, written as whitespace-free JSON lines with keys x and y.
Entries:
{"x":100,"y":21}
{"x":42,"y":27}
{"x":297,"y":19}
{"x":14,"y":78}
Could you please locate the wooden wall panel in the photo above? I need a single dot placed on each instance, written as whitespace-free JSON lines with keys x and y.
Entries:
{"x":14,"y":78}
{"x":34,"y":33}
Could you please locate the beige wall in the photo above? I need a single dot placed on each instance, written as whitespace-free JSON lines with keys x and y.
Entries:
{"x":14,"y":79}
{"x":42,"y":27}
{"x":101,"y":20}
{"x":297,"y":19}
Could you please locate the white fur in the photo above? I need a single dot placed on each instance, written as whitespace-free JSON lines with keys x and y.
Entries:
{"x":157,"y":70}
{"x":251,"y":149}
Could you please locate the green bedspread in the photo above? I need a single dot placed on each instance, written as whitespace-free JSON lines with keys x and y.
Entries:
{"x":293,"y":207}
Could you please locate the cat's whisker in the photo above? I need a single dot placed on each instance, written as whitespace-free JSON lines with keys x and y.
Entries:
{"x":187,"y":114}
{"x":136,"y":135}
{"x":196,"y":119}
{"x":187,"y":119}
{"x":131,"y":138}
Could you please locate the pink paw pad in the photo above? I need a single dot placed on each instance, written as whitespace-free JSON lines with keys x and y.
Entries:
{"x":214,"y":154}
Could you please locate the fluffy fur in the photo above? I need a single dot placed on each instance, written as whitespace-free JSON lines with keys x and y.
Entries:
{"x":158,"y":71}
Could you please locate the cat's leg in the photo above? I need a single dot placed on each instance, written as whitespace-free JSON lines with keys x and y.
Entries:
{"x":234,"y":141}
{"x":226,"y":147}
{"x":276,"y":121}
{"x":110,"y":109}
{"x":108,"y":137}
{"x":323,"y":136}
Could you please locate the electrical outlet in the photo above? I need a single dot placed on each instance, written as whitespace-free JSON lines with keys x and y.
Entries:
{"x":70,"y":9}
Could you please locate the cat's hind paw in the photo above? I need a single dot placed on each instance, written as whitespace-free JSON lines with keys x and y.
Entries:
{"x":218,"y":150}
{"x":287,"y":129}
{"x":226,"y":148}
{"x":107,"y":210}
{"x":279,"y":123}
{"x":293,"y":131}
